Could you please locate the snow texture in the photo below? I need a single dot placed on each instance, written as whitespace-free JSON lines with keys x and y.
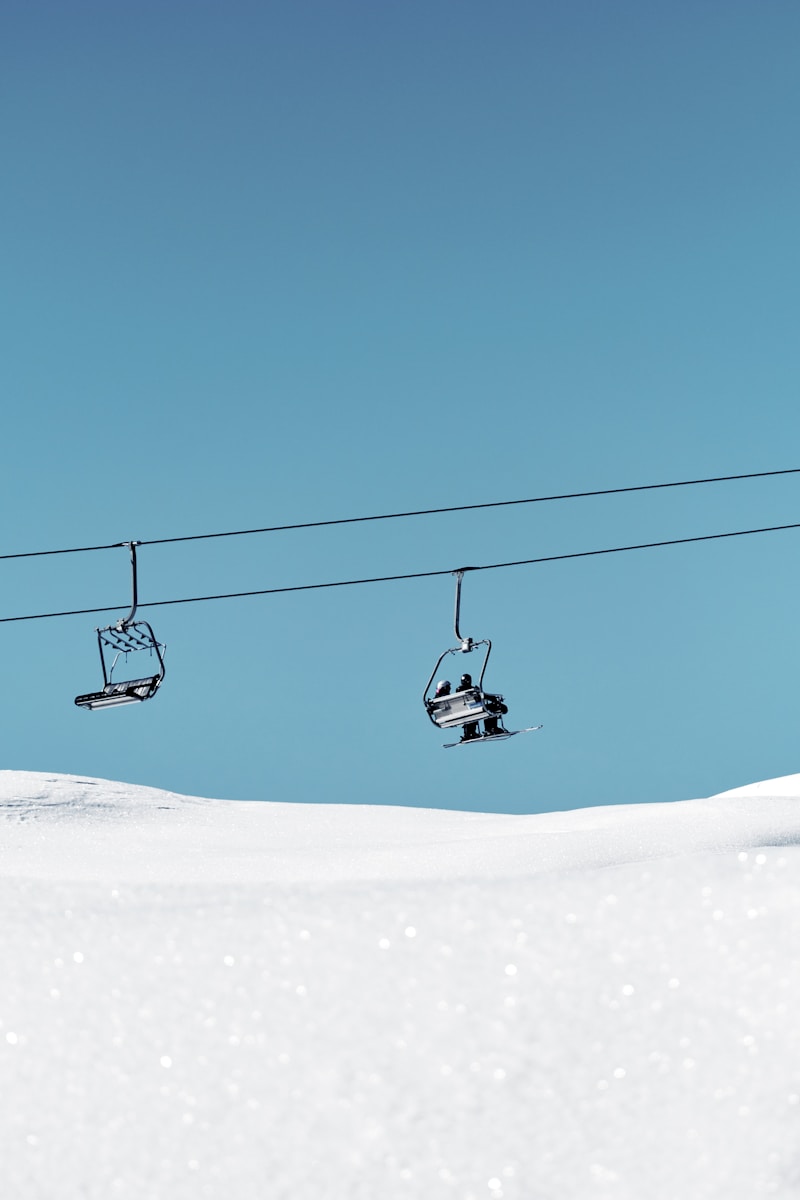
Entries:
{"x":201,"y":998}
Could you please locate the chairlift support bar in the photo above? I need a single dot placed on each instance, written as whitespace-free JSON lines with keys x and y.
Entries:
{"x":459,"y":574}
{"x":121,"y":624}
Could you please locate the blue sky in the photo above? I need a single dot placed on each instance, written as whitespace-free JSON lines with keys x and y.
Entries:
{"x":272,"y":263}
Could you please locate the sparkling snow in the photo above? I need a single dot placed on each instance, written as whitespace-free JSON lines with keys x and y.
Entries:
{"x":201,"y":998}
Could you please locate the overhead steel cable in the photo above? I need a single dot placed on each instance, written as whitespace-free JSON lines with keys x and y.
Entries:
{"x":70,"y":550}
{"x":429,"y":512}
{"x":420,"y":512}
{"x":309,"y":587}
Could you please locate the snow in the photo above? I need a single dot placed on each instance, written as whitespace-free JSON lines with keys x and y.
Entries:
{"x":201,"y":998}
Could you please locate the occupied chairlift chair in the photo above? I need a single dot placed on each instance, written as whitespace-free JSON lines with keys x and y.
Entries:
{"x":473,"y":704}
{"x":125,"y":637}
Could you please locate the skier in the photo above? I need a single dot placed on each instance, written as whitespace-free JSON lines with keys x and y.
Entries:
{"x":471,"y":728}
{"x":493,"y":703}
{"x":442,"y":689}
{"x":498,"y":709}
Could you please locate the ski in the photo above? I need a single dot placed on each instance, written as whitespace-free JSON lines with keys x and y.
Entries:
{"x":491,"y":737}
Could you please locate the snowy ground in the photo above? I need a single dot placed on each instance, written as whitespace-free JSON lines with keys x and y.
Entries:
{"x":202,"y":998}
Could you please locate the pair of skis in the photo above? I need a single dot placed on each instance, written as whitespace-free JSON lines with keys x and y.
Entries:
{"x":491,"y":737}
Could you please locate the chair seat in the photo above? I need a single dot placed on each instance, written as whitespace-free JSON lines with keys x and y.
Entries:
{"x":127,"y":692}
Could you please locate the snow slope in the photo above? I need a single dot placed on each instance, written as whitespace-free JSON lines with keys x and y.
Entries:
{"x":202,"y":998}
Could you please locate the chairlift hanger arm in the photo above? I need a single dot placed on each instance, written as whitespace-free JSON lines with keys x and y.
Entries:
{"x":459,"y":574}
{"x":134,"y":585}
{"x":466,"y":644}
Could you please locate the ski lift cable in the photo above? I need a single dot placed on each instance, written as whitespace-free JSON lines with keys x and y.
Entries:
{"x":308,"y":587}
{"x":422,"y":512}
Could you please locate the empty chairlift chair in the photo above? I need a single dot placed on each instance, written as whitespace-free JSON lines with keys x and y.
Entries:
{"x":122,"y":640}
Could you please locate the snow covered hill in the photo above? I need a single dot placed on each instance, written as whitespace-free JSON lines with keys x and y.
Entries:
{"x":201,"y":998}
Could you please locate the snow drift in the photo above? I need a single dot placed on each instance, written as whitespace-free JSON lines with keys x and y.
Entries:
{"x":220,"y":999}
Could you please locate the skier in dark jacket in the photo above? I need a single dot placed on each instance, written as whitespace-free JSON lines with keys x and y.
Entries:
{"x":471,"y":730}
{"x":498,"y":709}
{"x":493,"y":703}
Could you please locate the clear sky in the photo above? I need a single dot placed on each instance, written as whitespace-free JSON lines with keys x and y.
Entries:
{"x":268,"y":263}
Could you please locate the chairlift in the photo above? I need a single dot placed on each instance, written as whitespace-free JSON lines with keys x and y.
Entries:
{"x":471,"y":704}
{"x":125,"y":637}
